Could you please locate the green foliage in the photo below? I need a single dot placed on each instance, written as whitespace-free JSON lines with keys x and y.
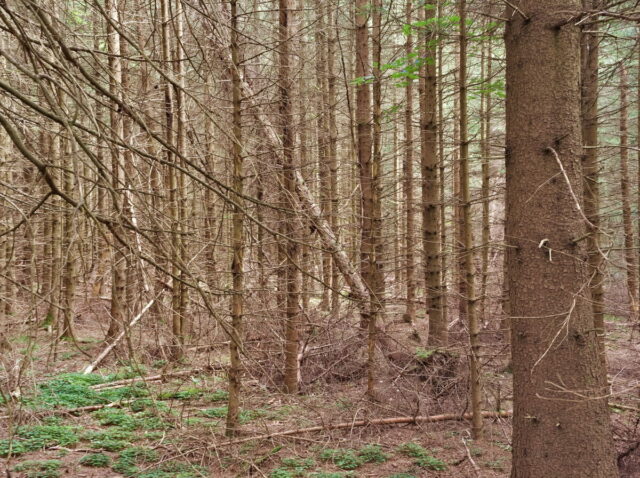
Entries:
{"x":96,"y":460}
{"x":113,"y":417}
{"x":221,"y":412}
{"x":37,"y":437}
{"x":402,"y":475}
{"x":39,"y":468}
{"x":217,"y":396}
{"x":423,"y":354}
{"x":69,"y":390}
{"x":281,"y":473}
{"x":185,"y":394}
{"x":330,"y":474}
{"x":372,"y":454}
{"x":422,"y":457}
{"x":137,"y":390}
{"x":111,"y":440}
{"x":129,"y":459}
{"x":73,"y":390}
{"x":346,"y":459}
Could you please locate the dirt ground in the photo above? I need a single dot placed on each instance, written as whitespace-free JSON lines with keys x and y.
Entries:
{"x":179,"y":431}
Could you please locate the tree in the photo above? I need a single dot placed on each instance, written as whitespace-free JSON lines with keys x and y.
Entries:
{"x":560,"y":424}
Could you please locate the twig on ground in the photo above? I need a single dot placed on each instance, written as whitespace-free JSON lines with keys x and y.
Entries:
{"x":361,"y":423}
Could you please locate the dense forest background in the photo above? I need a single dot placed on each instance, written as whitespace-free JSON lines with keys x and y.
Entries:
{"x":294,"y":238}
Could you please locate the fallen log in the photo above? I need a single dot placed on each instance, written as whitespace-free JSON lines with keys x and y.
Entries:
{"x":90,"y":368}
{"x":361,"y":423}
{"x":156,"y":378}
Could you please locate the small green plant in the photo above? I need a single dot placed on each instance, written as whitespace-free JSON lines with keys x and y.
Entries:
{"x":129,"y":459}
{"x":344,"y":459}
{"x":96,"y":460}
{"x":497,"y":465}
{"x":111,"y":440}
{"x":372,"y":454}
{"x":402,"y":475}
{"x":218,"y":396}
{"x":118,"y":418}
{"x":331,"y":474}
{"x":292,"y":468}
{"x":423,"y":354}
{"x":422,"y":457}
{"x":185,"y":394}
{"x":39,"y":468}
{"x":281,"y":473}
{"x":36,"y":437}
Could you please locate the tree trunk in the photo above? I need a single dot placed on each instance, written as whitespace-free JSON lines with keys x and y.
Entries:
{"x":561,"y":420}
{"x":410,"y":310}
{"x":590,"y":182}
{"x":237,"y":271}
{"x":438,"y":332}
{"x":625,"y":192}
{"x":292,"y":365}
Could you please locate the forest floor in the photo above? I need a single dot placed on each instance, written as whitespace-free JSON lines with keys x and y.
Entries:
{"x":63,"y":423}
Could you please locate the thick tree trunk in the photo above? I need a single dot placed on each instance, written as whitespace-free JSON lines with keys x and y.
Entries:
{"x":561,"y":420}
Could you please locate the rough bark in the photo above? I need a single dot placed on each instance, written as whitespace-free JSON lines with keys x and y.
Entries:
{"x":237,"y":238}
{"x":410,"y":309}
{"x":438,"y":332}
{"x":288,"y":168}
{"x":625,"y":193}
{"x":589,"y":91}
{"x":561,"y":423}
{"x":467,"y":235}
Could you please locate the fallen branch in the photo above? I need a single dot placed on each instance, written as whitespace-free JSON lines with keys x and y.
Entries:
{"x":110,"y":347}
{"x":156,"y":378}
{"x":361,"y":423}
{"x":624,"y":407}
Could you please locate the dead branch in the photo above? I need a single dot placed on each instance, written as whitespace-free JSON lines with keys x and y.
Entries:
{"x":157,"y":378}
{"x":361,"y":423}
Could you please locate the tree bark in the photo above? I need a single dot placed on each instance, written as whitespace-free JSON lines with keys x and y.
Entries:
{"x":561,"y":420}
{"x":410,"y":309}
{"x":438,"y":332}
{"x":625,"y":192}
{"x":237,"y":262}
{"x":590,"y":182}
{"x":466,"y":259}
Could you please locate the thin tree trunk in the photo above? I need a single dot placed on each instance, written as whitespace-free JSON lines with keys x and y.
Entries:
{"x":590,"y":182}
{"x":625,"y":191}
{"x":292,"y":364}
{"x":467,"y":252}
{"x":237,"y":272}
{"x":438,"y":333}
{"x":119,"y":266}
{"x":410,"y":310}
